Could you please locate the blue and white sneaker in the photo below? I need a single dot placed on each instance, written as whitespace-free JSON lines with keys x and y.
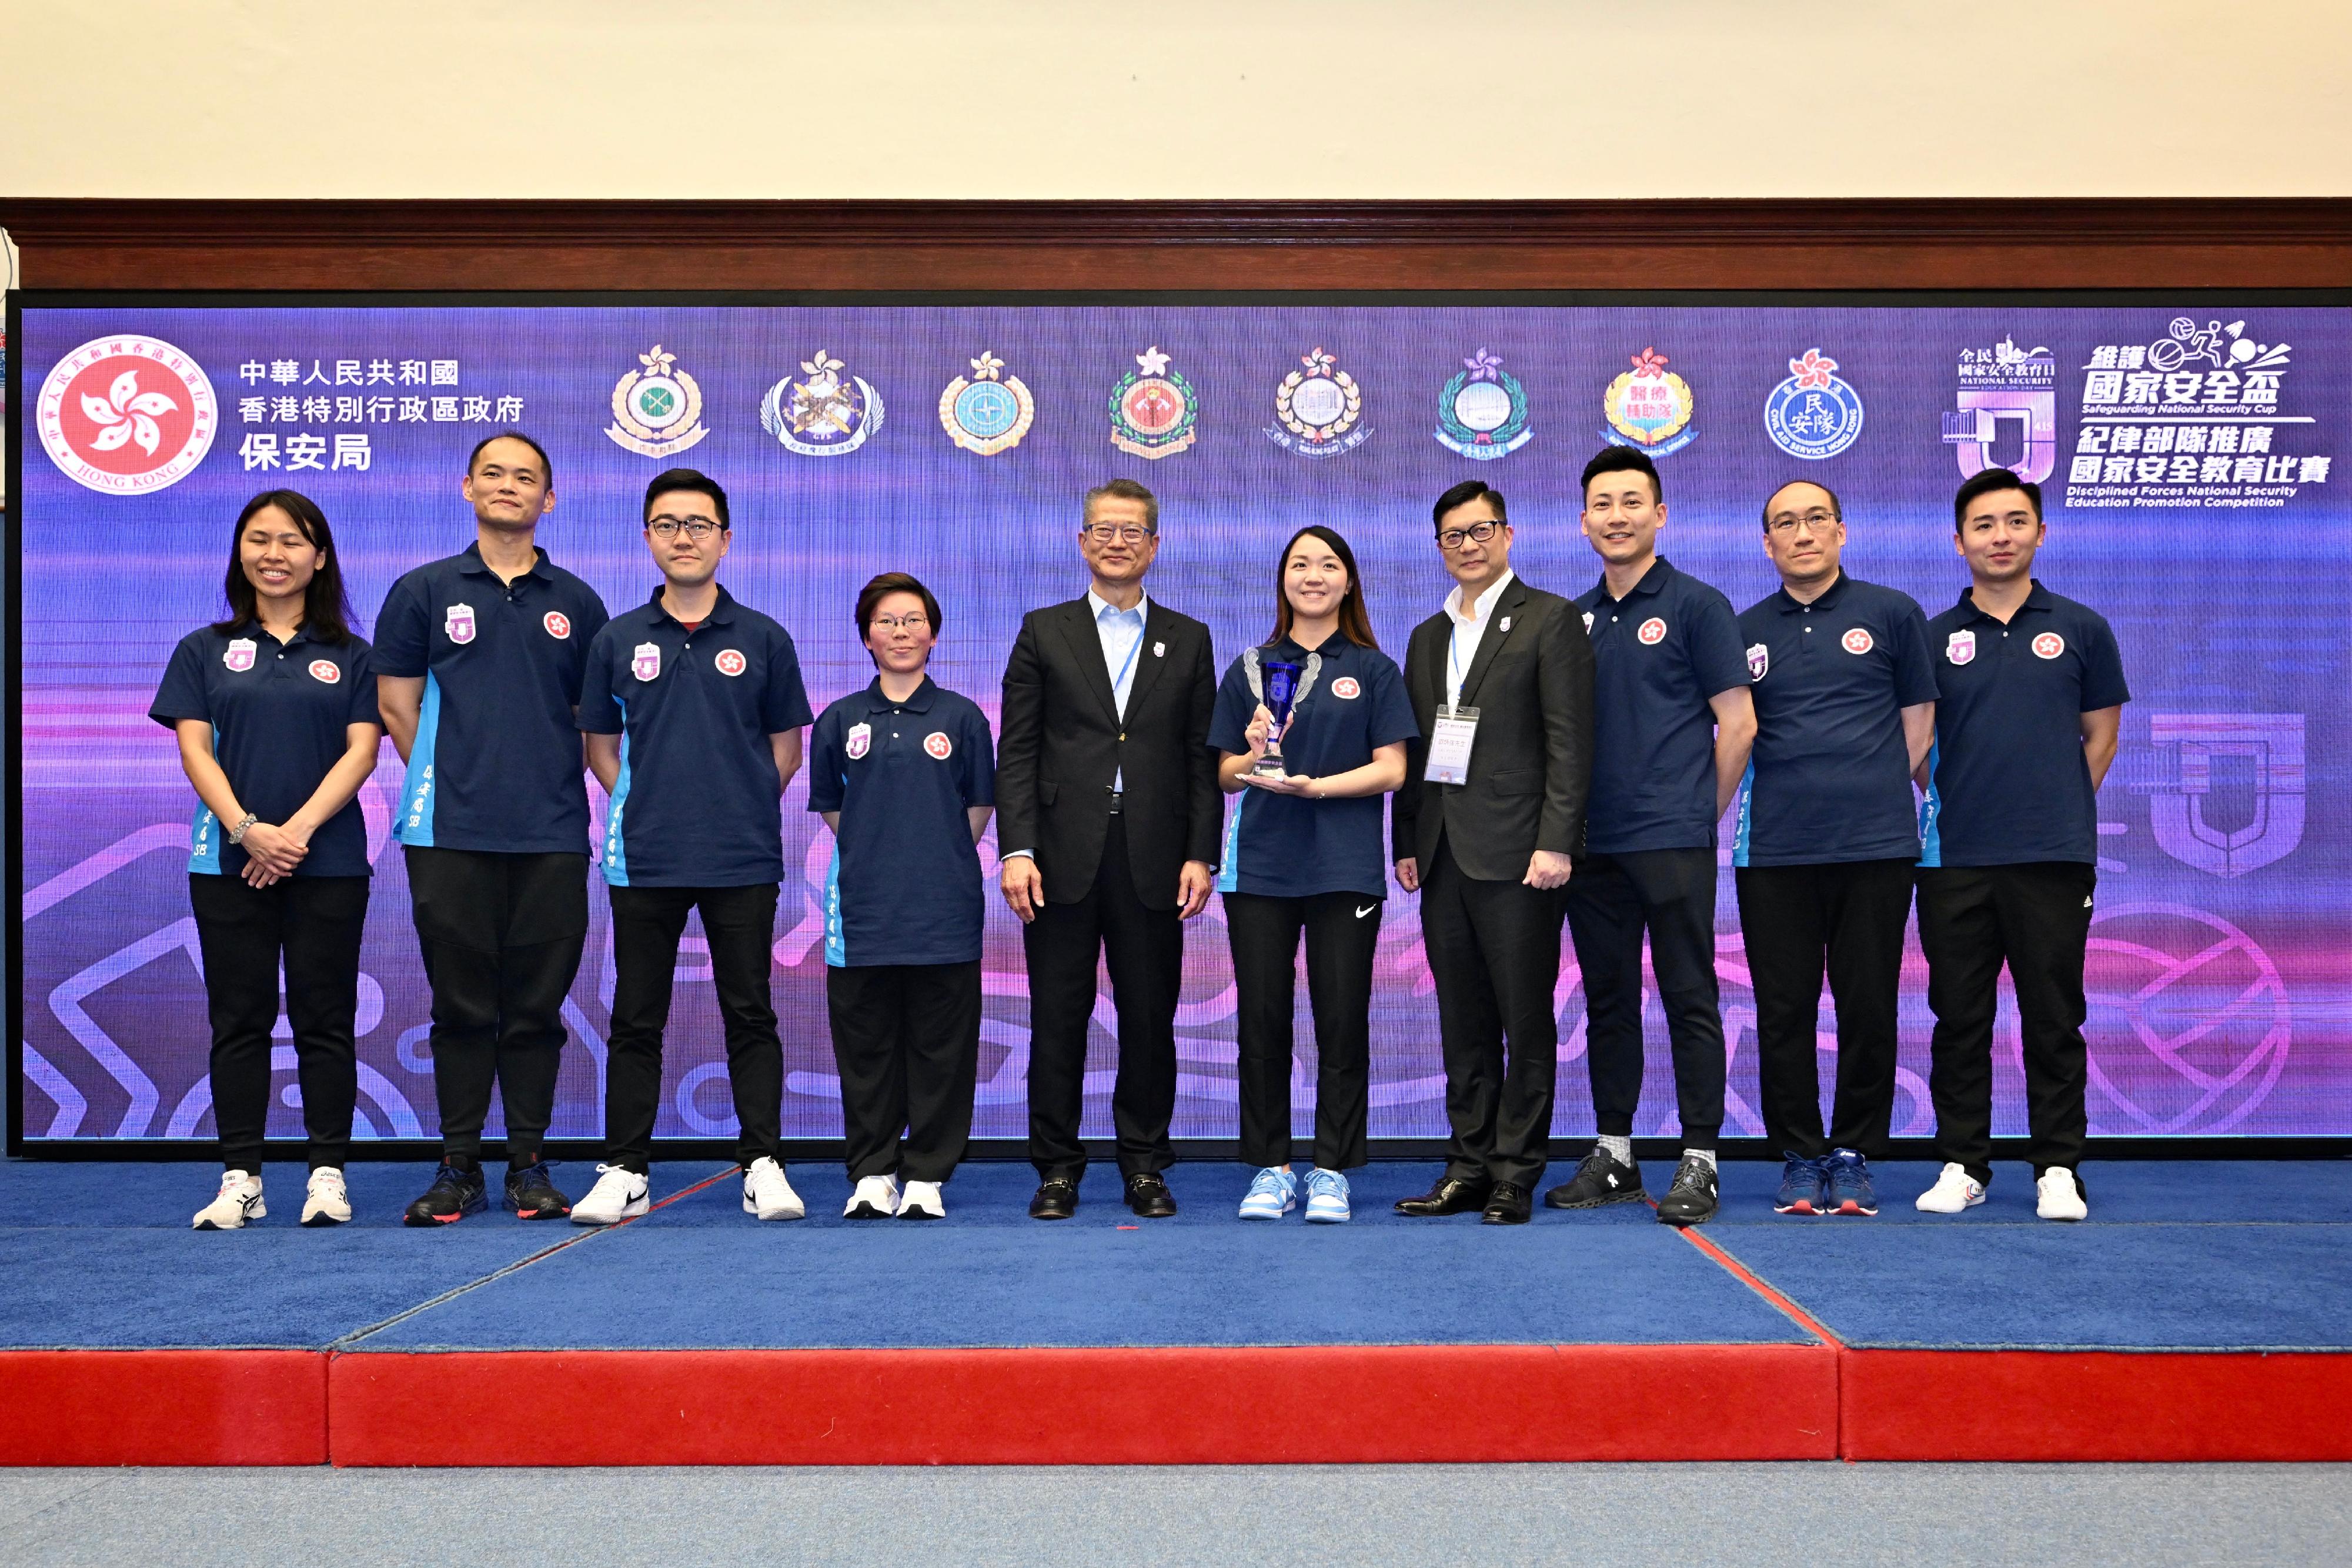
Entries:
{"x":1802,"y":1190}
{"x":1273,"y":1193}
{"x":1326,"y":1198}
{"x":1850,"y":1191}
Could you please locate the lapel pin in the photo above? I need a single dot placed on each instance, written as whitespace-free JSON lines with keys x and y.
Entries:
{"x":1160,"y":650}
{"x":1506,"y":623}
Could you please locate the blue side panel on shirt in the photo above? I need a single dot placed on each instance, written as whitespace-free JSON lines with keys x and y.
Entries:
{"x":836,"y":944}
{"x":1739,"y":835}
{"x":1931,"y":842}
{"x":416,"y":792}
{"x":617,"y":852}
{"x":1229,"y":875}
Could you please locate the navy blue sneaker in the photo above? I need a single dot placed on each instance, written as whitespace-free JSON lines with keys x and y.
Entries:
{"x":531,"y":1194}
{"x":454,"y":1195}
{"x":1802,"y":1189}
{"x":1850,"y":1191}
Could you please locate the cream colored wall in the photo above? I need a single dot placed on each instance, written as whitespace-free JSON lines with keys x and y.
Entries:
{"x":1214,"y":98}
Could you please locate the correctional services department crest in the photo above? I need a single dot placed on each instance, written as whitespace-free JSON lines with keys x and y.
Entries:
{"x":656,"y":408}
{"x":987,"y":411}
{"x":1153,"y":409}
{"x":1319,"y":410}
{"x":1813,"y":414}
{"x":1482,"y":412}
{"x":822,"y":412}
{"x":1649,"y":406}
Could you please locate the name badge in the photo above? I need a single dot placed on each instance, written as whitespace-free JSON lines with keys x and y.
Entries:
{"x":1449,"y":746}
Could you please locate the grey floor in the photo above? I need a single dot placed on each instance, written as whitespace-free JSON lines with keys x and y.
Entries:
{"x":1844,"y":1514}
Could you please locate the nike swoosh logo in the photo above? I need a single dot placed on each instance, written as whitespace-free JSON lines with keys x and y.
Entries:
{"x":1366,"y":910}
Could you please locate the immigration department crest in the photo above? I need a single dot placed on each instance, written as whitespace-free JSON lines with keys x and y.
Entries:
{"x":821,"y":413}
{"x":656,"y":408}
{"x":1319,"y":410}
{"x":1482,"y":412}
{"x":1153,"y":409}
{"x":1649,"y":406}
{"x":987,"y":411}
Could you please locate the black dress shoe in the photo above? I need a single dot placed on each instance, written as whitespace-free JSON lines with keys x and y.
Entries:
{"x":1508,"y":1204}
{"x":1057,"y":1199}
{"x":1452,"y":1195}
{"x":1602,"y":1178}
{"x":1149,"y":1196}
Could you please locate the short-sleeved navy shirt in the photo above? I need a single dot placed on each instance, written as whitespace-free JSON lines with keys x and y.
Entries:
{"x":1658,"y":654}
{"x":1830,"y":779}
{"x":905,"y":884}
{"x":1286,"y":846}
{"x":2008,"y":781}
{"x":497,"y":763}
{"x":281,"y":716}
{"x":696,"y":803}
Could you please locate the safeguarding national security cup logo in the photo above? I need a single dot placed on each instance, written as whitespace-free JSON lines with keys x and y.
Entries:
{"x":1319,"y":410}
{"x":1649,"y":406}
{"x":988,"y":412}
{"x":2229,"y":797}
{"x":1482,"y":412}
{"x":127,"y":414}
{"x":823,"y":413}
{"x":2190,"y":1025}
{"x":1153,"y":409}
{"x":656,"y":408}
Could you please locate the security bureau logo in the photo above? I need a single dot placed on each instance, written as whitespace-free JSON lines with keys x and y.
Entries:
{"x":1153,"y":409}
{"x":1482,"y":412}
{"x":126,"y":416}
{"x":823,"y":413}
{"x":1813,"y":414}
{"x":2008,"y":413}
{"x":1319,"y":410}
{"x":1649,"y":406}
{"x":458,"y":620}
{"x":240,"y":657}
{"x":989,"y":411}
{"x":1960,"y":647}
{"x":656,"y":408}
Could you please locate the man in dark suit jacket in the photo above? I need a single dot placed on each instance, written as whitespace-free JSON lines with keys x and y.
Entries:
{"x":1108,"y":809}
{"x":1491,"y":850}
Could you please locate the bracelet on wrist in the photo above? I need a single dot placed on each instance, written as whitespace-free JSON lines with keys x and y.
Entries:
{"x":237,"y":835}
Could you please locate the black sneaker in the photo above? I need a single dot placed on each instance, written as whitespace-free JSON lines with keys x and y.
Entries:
{"x":1693,"y":1198}
{"x":455,"y":1194}
{"x":1602,"y":1178}
{"x":530,"y":1193}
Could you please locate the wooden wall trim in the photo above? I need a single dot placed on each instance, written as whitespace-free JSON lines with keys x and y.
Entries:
{"x":636,"y":245}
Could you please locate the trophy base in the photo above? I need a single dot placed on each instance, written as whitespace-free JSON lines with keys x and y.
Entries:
{"x":1270,"y":766}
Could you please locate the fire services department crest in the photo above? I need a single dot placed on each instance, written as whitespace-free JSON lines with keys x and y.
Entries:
{"x":987,"y":411}
{"x":823,"y":412}
{"x":656,"y":408}
{"x":1318,"y":409}
{"x":1153,"y":409}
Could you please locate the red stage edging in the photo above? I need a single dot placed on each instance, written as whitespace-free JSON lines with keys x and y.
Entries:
{"x":1190,"y":1406}
{"x":162,"y":1408}
{"x":2174,"y":1405}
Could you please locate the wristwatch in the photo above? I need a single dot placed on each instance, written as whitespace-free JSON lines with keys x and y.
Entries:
{"x":237,"y":835}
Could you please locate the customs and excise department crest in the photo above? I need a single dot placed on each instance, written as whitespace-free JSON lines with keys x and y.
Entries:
{"x":1318,"y":409}
{"x":1649,"y":407}
{"x":823,"y":413}
{"x":656,"y":408}
{"x":1482,"y":412}
{"x":988,"y":412}
{"x":1153,"y":409}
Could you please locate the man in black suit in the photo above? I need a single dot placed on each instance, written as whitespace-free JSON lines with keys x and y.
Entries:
{"x":1107,"y":795}
{"x":1490,"y":816}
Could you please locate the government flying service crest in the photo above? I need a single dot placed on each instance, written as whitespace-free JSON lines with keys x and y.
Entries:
{"x":987,"y":411}
{"x":1319,"y":410}
{"x":1153,"y":409}
{"x":656,"y":408}
{"x":1649,"y":406}
{"x":1482,"y":412}
{"x":823,"y":413}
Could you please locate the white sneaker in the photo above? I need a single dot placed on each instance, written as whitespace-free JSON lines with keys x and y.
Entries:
{"x":2060,"y":1195}
{"x":921,"y":1201}
{"x":325,"y":1201}
{"x":767,"y":1193}
{"x":238,"y":1200}
{"x":877,"y":1197}
{"x":1954,"y":1190}
{"x":618,"y":1194}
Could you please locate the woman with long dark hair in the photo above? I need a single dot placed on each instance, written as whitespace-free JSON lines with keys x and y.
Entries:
{"x":275,"y":711}
{"x":1304,"y":857}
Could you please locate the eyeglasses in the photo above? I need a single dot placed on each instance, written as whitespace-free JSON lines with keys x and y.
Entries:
{"x":695,"y":528}
{"x":914,"y":622}
{"x":1112,"y":533}
{"x":1814,"y":521}
{"x":1478,"y":533}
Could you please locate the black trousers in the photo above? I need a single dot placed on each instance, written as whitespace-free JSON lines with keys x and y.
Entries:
{"x":1796,"y":919}
{"x":502,"y":936}
{"x":907,"y":1036}
{"x":1493,"y":951}
{"x":2036,"y":919}
{"x":1342,"y":931}
{"x":739,"y":923}
{"x":1611,"y":900}
{"x":1145,"y":951}
{"x":314,"y":925}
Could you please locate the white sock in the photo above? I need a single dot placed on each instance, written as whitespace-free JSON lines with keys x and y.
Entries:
{"x":1704,"y":1156}
{"x":1620,"y":1149}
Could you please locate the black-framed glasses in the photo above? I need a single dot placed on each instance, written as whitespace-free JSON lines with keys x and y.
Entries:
{"x":1116,"y":533}
{"x":1477,"y":533}
{"x":695,"y":528}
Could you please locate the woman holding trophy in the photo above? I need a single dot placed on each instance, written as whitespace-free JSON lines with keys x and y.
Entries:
{"x":1313,"y":726}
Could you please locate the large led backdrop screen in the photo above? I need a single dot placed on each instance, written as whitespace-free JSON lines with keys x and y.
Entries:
{"x":2186,"y":444}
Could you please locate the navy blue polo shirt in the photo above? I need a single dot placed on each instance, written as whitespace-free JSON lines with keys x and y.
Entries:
{"x":1286,"y":846}
{"x":279,"y":713}
{"x":1830,"y":779}
{"x":497,"y":762}
{"x":1658,"y":654}
{"x":2008,"y":782}
{"x":696,"y":803}
{"x":905,"y":882}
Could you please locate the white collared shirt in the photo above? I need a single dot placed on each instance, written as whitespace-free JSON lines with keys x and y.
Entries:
{"x":1121,"y":632}
{"x":1469,"y":631}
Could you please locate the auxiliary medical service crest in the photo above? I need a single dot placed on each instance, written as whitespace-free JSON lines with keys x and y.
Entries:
{"x":1153,"y":409}
{"x":988,"y":412}
{"x":1482,"y":412}
{"x":1319,"y":410}
{"x":1649,"y":406}
{"x":823,"y":413}
{"x":1813,"y":414}
{"x":656,"y":408}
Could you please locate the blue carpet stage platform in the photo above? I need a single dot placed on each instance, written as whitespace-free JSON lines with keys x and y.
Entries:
{"x":2203,"y":1312}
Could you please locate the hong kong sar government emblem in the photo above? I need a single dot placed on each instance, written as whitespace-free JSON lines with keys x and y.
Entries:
{"x":1153,"y":409}
{"x":1318,"y":409}
{"x":821,"y":413}
{"x":1482,"y":412}
{"x":987,"y":411}
{"x":1649,"y":406}
{"x":656,"y":408}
